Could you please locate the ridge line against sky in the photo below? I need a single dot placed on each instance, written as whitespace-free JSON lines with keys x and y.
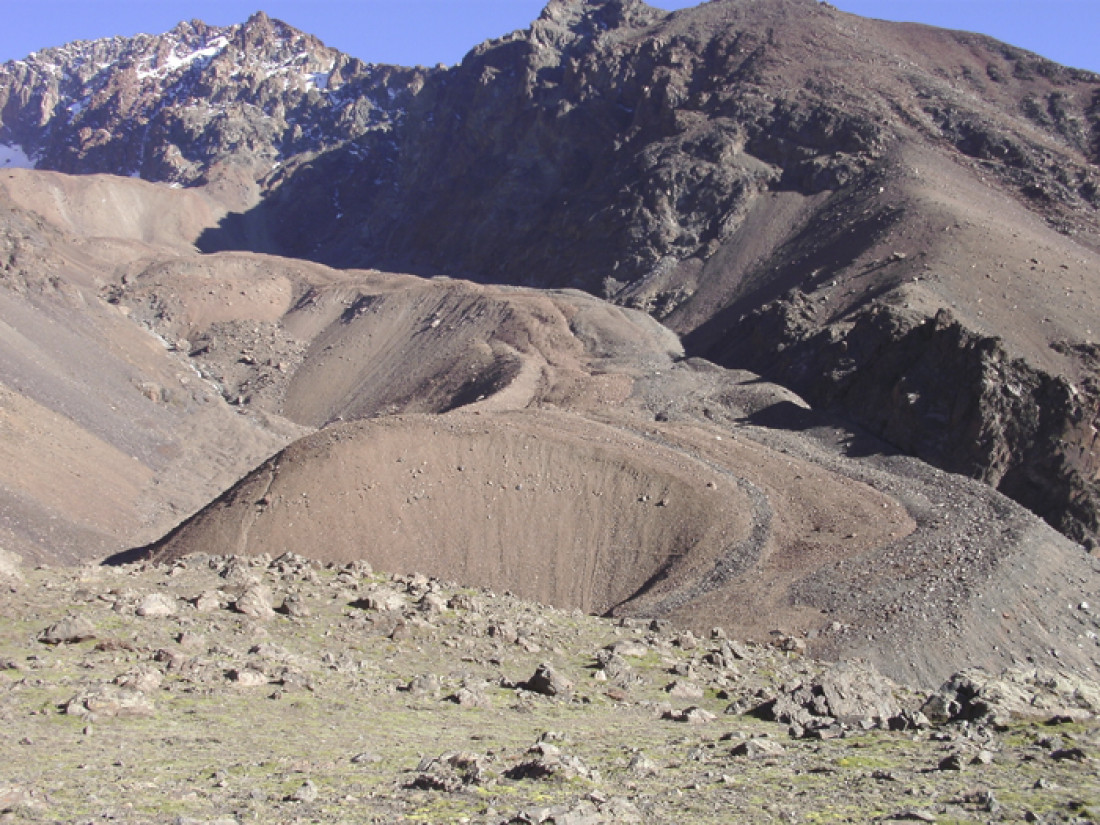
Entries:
{"x":427,"y":32}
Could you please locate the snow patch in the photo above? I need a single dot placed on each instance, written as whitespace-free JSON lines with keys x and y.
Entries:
{"x":13,"y":157}
{"x":175,"y":61}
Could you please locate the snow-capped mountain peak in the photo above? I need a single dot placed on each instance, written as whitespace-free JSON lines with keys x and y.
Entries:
{"x":169,"y":107}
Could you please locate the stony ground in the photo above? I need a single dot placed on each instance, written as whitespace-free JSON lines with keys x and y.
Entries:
{"x":220,"y":689}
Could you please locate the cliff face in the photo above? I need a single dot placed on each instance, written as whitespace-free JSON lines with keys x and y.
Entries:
{"x":604,"y":145}
{"x":610,"y":142}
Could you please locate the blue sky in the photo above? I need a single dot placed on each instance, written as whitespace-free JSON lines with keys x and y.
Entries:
{"x":441,"y":31}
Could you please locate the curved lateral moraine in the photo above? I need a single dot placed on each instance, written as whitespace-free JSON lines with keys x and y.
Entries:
{"x":737,"y":559}
{"x":676,"y":522}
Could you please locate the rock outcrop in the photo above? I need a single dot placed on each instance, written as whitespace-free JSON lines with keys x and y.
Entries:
{"x":196,"y":104}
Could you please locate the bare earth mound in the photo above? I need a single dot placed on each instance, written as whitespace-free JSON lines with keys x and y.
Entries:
{"x":599,"y":470}
{"x":916,"y":571}
{"x":544,"y":442}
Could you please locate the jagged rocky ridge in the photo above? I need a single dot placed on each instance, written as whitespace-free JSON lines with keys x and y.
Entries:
{"x":180,"y":106}
{"x":776,"y":181}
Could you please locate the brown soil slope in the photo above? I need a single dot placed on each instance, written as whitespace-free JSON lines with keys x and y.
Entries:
{"x":559,"y":447}
{"x":916,"y":571}
{"x":107,"y":435}
{"x":543,"y":442}
{"x":796,"y":190}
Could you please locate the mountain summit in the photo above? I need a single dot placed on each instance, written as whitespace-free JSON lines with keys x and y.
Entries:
{"x":183,"y":106}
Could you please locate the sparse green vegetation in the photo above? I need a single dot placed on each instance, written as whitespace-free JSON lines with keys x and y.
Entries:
{"x":339,"y":729}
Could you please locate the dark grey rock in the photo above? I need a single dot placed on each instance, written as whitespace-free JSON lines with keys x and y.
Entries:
{"x":157,"y":604}
{"x":110,"y":701}
{"x":306,"y":793}
{"x":758,"y":748}
{"x":255,"y":601}
{"x":426,"y":684}
{"x":850,"y":694}
{"x":549,"y":682}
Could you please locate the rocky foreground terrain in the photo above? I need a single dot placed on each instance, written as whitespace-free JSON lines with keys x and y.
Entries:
{"x":220,"y":689}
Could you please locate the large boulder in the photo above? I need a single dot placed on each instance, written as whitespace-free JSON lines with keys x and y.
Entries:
{"x":847,"y":694}
{"x":974,"y":695}
{"x":549,"y":682}
{"x":70,"y":630}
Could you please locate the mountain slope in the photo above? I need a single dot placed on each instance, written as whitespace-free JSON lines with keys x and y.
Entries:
{"x":544,"y":442}
{"x":736,"y":165}
{"x":661,"y":130}
{"x":107,"y":435}
{"x":559,"y":447}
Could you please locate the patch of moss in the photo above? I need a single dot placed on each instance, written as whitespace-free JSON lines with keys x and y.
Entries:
{"x":864,"y":761}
